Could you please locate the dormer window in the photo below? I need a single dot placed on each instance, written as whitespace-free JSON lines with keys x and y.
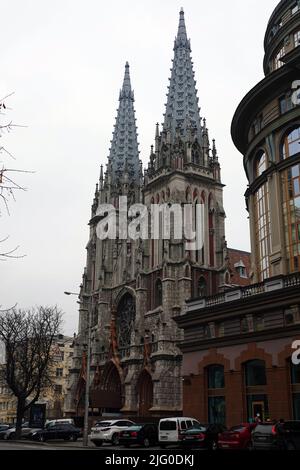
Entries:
{"x":295,"y":9}
{"x":241,"y":269}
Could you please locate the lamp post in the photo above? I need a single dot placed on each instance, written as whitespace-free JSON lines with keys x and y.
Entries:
{"x":88,"y":367}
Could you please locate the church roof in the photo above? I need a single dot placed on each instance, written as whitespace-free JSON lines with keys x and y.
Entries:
{"x":182,"y":109}
{"x":124,"y":153}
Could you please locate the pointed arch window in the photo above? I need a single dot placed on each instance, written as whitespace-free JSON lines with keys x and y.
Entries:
{"x":202,"y":287}
{"x":291,"y":144}
{"x":211,"y":226}
{"x":158,"y":299}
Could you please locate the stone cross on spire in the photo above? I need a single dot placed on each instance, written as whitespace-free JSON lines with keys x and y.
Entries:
{"x":124,"y":144}
{"x":182,"y":108}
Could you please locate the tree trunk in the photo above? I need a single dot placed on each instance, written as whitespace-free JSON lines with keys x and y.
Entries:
{"x":20,"y":416}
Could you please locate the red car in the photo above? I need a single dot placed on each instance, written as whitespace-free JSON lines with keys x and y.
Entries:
{"x":238,"y":437}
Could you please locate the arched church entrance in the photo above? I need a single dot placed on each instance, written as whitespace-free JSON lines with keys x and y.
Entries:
{"x":108,"y":397}
{"x":145,"y":393}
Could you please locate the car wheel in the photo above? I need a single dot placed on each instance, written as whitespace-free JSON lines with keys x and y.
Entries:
{"x":41,"y":438}
{"x":74,"y":438}
{"x":115,"y":440}
{"x":98,"y":443}
{"x":290,"y":446}
{"x":146,"y":442}
{"x":11,"y":436}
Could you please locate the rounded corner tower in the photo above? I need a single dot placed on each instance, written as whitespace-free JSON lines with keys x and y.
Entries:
{"x":266,"y":130}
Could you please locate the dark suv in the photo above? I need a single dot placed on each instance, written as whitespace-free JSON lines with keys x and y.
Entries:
{"x":280,"y":436}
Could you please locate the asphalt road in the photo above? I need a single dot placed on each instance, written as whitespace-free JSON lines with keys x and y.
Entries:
{"x":59,"y":445}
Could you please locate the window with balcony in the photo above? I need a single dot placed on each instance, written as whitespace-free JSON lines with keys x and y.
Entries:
{"x":277,"y":59}
{"x":295,"y":9}
{"x":262,"y":229}
{"x":260,"y":163}
{"x":291,"y":213}
{"x":286,"y":103}
{"x":291,"y":144}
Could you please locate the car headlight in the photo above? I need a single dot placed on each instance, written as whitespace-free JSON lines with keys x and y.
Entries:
{"x":34,"y":434}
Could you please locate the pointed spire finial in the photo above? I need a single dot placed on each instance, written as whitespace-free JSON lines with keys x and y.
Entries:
{"x":126,"y":88}
{"x":181,"y":34}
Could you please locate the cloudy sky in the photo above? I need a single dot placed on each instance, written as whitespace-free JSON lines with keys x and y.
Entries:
{"x":64,"y":61}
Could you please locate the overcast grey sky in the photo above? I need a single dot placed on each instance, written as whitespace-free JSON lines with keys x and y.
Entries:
{"x":65,"y":62}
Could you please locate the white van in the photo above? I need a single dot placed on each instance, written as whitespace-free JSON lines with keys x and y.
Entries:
{"x":170,"y":429}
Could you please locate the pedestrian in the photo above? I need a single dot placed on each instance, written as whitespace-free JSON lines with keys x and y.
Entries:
{"x":257,"y":419}
{"x":281,"y":434}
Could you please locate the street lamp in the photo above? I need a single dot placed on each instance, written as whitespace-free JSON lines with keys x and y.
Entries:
{"x":88,"y":367}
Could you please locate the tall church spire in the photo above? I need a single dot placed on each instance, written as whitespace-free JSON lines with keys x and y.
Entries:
{"x":124,"y":144}
{"x":182,"y":109}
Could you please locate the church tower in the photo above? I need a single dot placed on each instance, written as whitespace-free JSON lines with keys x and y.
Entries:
{"x":136,"y":288}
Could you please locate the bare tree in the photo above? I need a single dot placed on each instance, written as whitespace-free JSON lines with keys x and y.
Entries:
{"x":28,"y":337}
{"x":8,"y":183}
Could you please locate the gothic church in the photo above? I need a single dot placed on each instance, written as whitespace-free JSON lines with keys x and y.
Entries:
{"x":135,"y":288}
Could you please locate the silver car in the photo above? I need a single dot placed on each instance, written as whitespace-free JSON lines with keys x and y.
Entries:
{"x":108,"y":431}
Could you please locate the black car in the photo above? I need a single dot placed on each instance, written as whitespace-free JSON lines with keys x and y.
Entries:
{"x":142,"y":434}
{"x":277,"y":436}
{"x":204,"y":436}
{"x":56,"y":431}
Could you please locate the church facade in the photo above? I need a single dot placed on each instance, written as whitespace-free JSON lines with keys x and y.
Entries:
{"x":134,"y":289}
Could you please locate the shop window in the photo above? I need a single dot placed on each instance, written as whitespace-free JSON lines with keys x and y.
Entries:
{"x":216,"y":410}
{"x":295,"y":374}
{"x":215,"y":377}
{"x":255,"y":373}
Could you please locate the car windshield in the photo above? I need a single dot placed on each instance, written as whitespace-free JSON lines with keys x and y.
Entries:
{"x":264,"y":428}
{"x":103,"y":424}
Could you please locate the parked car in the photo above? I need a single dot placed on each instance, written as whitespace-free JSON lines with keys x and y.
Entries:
{"x":10,"y":432}
{"x":204,"y":436}
{"x":3,"y":428}
{"x":238,"y":437}
{"x":108,"y":431}
{"x":145,"y":435}
{"x":55,"y":431}
{"x":171,"y":428}
{"x":280,"y":436}
{"x":50,"y":422}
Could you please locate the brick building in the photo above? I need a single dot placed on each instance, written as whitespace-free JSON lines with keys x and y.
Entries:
{"x":237,"y":348}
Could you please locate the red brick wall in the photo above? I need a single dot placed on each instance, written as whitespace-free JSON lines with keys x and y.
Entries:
{"x":278,"y":388}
